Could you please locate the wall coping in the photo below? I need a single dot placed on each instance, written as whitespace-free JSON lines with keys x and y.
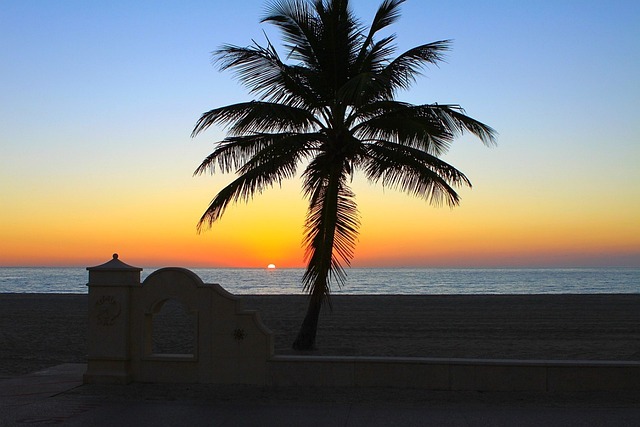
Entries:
{"x":454,"y":361}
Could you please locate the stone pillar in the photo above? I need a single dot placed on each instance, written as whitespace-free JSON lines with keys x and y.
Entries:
{"x":109,"y":341}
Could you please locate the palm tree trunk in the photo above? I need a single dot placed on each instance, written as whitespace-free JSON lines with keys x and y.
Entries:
{"x":306,"y":339}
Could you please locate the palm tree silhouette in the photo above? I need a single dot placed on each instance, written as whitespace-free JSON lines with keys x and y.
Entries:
{"x":331,"y":107}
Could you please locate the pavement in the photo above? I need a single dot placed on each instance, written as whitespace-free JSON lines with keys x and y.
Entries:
{"x":58,"y":396}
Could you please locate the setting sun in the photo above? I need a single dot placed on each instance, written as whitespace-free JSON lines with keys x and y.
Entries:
{"x":271,"y":266}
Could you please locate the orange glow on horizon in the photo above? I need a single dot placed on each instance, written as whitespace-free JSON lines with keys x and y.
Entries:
{"x":396,"y":230}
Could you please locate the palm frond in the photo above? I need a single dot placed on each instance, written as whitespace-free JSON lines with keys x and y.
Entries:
{"x":387,"y":14}
{"x":298,"y":26}
{"x":257,"y":116}
{"x":456,"y":120}
{"x":414,"y":171}
{"x":255,"y":178}
{"x":340,"y":35}
{"x":331,"y":226}
{"x":405,"y":124}
{"x":377,"y":58}
{"x":355,"y":90}
{"x":402,"y":71}
{"x":233,"y":153}
{"x":430,"y":127}
{"x":264,"y":74}
{"x":295,"y":147}
{"x":324,"y":36}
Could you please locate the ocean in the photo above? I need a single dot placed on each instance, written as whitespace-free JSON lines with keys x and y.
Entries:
{"x":411,"y":281}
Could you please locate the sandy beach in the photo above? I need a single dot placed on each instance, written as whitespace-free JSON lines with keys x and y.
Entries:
{"x":42,"y":330}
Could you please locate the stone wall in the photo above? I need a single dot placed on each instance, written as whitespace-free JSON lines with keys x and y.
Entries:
{"x":221,"y":343}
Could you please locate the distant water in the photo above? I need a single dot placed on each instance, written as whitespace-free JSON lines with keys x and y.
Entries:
{"x":363,"y":280}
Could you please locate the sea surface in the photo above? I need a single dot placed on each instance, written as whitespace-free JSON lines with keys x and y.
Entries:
{"x":411,"y":281}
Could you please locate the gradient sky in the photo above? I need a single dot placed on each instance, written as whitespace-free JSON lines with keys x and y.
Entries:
{"x":99,"y":99}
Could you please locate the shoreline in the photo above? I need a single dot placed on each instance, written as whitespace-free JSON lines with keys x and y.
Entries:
{"x":42,"y":330}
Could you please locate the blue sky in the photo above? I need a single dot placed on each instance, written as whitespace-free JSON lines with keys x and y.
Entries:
{"x":99,"y":99}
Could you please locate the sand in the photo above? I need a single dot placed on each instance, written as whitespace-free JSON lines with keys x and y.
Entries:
{"x":42,"y":330}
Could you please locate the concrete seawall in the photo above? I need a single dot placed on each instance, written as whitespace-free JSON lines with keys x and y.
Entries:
{"x":453,"y":374}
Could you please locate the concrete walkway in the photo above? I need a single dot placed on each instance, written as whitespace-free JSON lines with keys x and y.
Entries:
{"x":57,"y":396}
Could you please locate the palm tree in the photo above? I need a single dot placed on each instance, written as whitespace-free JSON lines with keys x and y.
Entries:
{"x":330,"y":107}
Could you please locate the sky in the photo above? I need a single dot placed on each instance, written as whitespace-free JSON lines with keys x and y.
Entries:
{"x":99,"y":100}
